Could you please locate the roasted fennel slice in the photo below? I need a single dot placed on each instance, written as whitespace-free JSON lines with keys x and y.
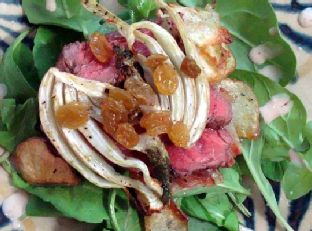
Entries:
{"x":195,"y":91}
{"x":94,"y":134}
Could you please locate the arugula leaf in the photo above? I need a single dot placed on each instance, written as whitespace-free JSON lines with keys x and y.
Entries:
{"x":288,"y":128}
{"x":214,"y":208}
{"x":48,"y":44}
{"x":84,"y":202}
{"x":17,"y":71}
{"x":284,"y":133}
{"x":18,"y":122}
{"x":69,"y":14}
{"x":231,"y":181}
{"x":252,"y":153}
{"x":38,"y":207}
{"x":124,"y":217}
{"x":274,"y":170}
{"x":297,"y":181}
{"x":262,"y":19}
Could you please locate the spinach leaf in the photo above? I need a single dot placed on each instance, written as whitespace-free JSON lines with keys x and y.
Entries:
{"x":250,"y":23}
{"x":215,"y":208}
{"x":69,"y":14}
{"x":84,"y":202}
{"x":38,"y":207}
{"x":297,"y":181}
{"x":289,"y":128}
{"x":18,"y":122}
{"x":48,"y":45}
{"x":123,"y":216}
{"x":252,"y":151}
{"x":17,"y":71}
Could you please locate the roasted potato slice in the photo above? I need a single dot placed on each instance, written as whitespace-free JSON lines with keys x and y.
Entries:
{"x":245,"y":107}
{"x":38,"y":165}
{"x":170,"y":218}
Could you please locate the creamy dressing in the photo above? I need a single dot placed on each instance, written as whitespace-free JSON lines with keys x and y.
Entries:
{"x":14,"y":207}
{"x":263,"y":52}
{"x":51,"y":5}
{"x":271,"y":71}
{"x":279,"y":105}
{"x":3,"y":91}
{"x":294,"y":157}
{"x":305,"y":18}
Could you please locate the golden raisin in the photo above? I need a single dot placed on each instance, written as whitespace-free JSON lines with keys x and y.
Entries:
{"x":126,"y":135}
{"x":156,"y":123}
{"x":190,"y":68}
{"x":113,"y":113}
{"x":100,"y":47}
{"x":124,"y":97}
{"x":179,"y":134}
{"x":165,"y":79}
{"x":141,"y":91}
{"x":154,"y":61}
{"x":72,"y":115}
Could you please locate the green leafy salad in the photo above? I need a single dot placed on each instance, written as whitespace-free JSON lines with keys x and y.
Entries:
{"x":152,"y":119}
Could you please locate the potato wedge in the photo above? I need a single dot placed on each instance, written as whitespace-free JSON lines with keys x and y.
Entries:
{"x":38,"y":165}
{"x":245,"y":107}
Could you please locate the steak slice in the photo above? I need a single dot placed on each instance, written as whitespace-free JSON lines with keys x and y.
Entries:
{"x":212,"y":150}
{"x":77,"y":58}
{"x":220,"y":113}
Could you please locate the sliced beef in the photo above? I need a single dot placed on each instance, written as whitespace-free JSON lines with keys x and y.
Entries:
{"x":220,"y":113}
{"x":77,"y":58}
{"x":212,"y":150}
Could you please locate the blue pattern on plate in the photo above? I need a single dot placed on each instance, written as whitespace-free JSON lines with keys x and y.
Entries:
{"x":300,"y":39}
{"x":298,"y":208}
{"x":291,"y":8}
{"x":3,"y":219}
{"x":250,"y":221}
{"x":268,"y":212}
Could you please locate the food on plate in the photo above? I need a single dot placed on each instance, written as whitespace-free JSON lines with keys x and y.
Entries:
{"x":147,"y":115}
{"x":38,"y":165}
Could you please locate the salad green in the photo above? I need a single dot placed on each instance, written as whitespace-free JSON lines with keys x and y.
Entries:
{"x":208,"y":208}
